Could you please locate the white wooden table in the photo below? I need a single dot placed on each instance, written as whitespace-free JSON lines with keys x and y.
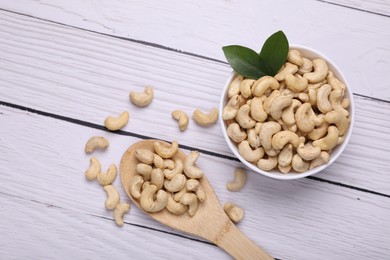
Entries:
{"x":66,"y":65}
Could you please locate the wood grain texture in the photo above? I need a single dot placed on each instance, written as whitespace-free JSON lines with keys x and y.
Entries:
{"x":43,"y":160}
{"x":381,"y":7}
{"x":42,"y":231}
{"x":332,"y":29}
{"x":88,"y":77}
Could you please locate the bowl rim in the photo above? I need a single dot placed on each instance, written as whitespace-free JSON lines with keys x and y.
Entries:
{"x":334,"y":155}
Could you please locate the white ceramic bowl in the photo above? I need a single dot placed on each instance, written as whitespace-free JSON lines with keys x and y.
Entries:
{"x":336,"y":152}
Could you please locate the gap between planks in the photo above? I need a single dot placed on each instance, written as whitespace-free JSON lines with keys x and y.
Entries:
{"x":186,"y":147}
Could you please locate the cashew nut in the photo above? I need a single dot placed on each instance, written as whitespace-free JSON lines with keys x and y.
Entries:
{"x":312,"y":93}
{"x":285,"y":156}
{"x":96,"y":142}
{"x":235,"y":133}
{"x":182,"y":117}
{"x":157,"y":178}
{"x":203,"y":119}
{"x":288,"y":68}
{"x":234,"y":212}
{"x":323,"y":102}
{"x":243,"y":118}
{"x":109,"y":177}
{"x":263,"y":84}
{"x":306,"y":67}
{"x":298,"y":164}
{"x":112,"y":197}
{"x":284,"y":169}
{"x":158,"y":161}
{"x":191,"y":201}
{"x":164,"y":150}
{"x":93,"y":169}
{"x":330,"y":140}
{"x":142,"y":99}
{"x":280,"y":139}
{"x":200,"y":193}
{"x":288,"y":113}
{"x":231,"y":108}
{"x":268,"y":101}
{"x":248,"y":154}
{"x":246,"y":87}
{"x":190,"y":170}
{"x":253,"y":138}
{"x":308,"y":152}
{"x":320,"y":71}
{"x":268,"y":129}
{"x":306,"y":119}
{"x":135,"y":186}
{"x":145,"y":170}
{"x":338,"y":118}
{"x":335,"y":99}
{"x":257,"y":111}
{"x":192,"y":184}
{"x":296,"y":84}
{"x":169,"y":164}
{"x":345,"y":102}
{"x":144,"y":155}
{"x":174,"y":207}
{"x":116,"y":123}
{"x":119,"y":211}
{"x":239,"y":180}
{"x":178,"y":169}
{"x":320,"y":160}
{"x":177,"y":196}
{"x":280,"y":103}
{"x":234,"y":87}
{"x":295,"y":57}
{"x":319,"y":132}
{"x":147,"y":201}
{"x":335,"y":82}
{"x":268,"y":164}
{"x":176,"y":184}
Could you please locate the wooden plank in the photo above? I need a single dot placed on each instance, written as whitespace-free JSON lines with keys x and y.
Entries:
{"x":88,"y":77}
{"x":35,"y":230}
{"x":43,"y":160}
{"x":381,"y":7}
{"x":331,"y":29}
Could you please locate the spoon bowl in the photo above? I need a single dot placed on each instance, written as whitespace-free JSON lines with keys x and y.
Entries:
{"x":210,"y":222}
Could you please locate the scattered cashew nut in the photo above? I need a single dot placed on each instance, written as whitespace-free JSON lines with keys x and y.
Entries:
{"x":142,"y":99}
{"x":93,"y":169}
{"x":96,"y":142}
{"x":109,"y":177}
{"x":182,"y":117}
{"x":119,"y":211}
{"x":112,"y":197}
{"x":203,"y":119}
{"x":239,"y":180}
{"x":234,"y":212}
{"x":116,"y":123}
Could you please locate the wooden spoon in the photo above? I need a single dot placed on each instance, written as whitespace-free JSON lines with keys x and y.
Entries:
{"x":210,"y":222}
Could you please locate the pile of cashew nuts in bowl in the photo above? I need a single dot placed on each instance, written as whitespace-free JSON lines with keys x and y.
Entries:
{"x":293,"y":124}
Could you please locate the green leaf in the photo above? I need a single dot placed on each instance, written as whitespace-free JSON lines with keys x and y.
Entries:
{"x":274,"y":52}
{"x":244,"y":61}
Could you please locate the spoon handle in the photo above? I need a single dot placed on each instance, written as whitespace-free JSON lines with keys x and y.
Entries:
{"x":233,"y":241}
